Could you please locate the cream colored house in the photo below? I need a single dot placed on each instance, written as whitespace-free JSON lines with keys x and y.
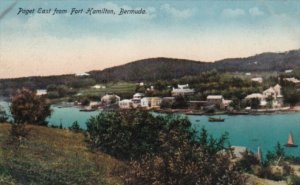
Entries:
{"x":151,"y":102}
{"x":125,"y":104}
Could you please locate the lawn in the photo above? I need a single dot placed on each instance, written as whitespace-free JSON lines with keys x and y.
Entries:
{"x":119,"y":88}
{"x":53,"y":156}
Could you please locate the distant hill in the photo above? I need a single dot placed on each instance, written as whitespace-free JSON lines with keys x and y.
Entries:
{"x":162,"y":68}
{"x":168,"y":68}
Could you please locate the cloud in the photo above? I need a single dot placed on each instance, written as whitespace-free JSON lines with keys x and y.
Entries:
{"x":177,"y":13}
{"x":233,"y":13}
{"x":255,"y":12}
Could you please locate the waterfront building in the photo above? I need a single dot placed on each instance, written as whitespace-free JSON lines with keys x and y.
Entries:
{"x":151,"y":102}
{"x":217,"y":100}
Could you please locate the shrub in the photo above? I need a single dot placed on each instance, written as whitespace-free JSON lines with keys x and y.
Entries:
{"x":75,"y":127}
{"x":26,"y":107}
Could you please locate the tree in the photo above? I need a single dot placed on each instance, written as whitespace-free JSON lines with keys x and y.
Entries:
{"x":180,"y":102}
{"x":75,"y":127}
{"x":3,"y":115}
{"x":254,"y":103}
{"x":183,"y":161}
{"x":269,"y":100}
{"x":291,"y":95}
{"x":28,"y":108}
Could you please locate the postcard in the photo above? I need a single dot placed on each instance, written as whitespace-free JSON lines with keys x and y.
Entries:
{"x":141,"y":92}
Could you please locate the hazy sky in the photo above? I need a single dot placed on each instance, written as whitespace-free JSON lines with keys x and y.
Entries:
{"x":46,"y":44}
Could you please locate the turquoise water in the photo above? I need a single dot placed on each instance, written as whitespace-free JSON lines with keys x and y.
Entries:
{"x":244,"y":130}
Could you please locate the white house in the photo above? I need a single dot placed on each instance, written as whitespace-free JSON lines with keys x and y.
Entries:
{"x":288,"y":71}
{"x":258,"y":96}
{"x":183,"y":90}
{"x":125,"y":104}
{"x":151,"y":102}
{"x":110,"y":99}
{"x":216,"y":100}
{"x":274,"y":92}
{"x":138,"y":95}
{"x":146,"y":102}
{"x":82,"y":74}
{"x":257,"y":79}
{"x":41,"y":92}
{"x":98,"y":86}
{"x":293,"y":80}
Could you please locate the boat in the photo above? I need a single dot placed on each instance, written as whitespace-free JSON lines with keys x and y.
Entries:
{"x":290,"y":142}
{"x":197,"y":120}
{"x":212,"y":119}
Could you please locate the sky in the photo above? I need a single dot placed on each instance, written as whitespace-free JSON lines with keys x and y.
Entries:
{"x":45,"y":44}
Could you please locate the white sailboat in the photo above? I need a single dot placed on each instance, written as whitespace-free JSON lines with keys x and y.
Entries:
{"x":290,"y":142}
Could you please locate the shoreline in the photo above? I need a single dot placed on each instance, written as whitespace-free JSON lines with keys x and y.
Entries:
{"x":233,"y":113}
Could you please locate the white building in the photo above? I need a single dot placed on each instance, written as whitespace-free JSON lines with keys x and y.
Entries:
{"x":216,"y":100}
{"x":257,"y":79}
{"x":293,"y":80}
{"x":146,"y":102}
{"x":110,"y":99}
{"x":138,"y":95}
{"x":274,"y":92}
{"x":125,"y":104}
{"x":183,"y":90}
{"x":98,"y":87}
{"x":151,"y":102}
{"x":82,"y":74}
{"x":258,"y":96}
{"x":41,"y":92}
{"x":288,"y":71}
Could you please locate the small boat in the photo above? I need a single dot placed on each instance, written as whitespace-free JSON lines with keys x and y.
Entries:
{"x":212,"y":119}
{"x":290,"y":142}
{"x":197,"y":120}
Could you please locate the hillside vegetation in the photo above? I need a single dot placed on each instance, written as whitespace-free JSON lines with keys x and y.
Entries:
{"x":154,"y":69}
{"x":52,"y":156}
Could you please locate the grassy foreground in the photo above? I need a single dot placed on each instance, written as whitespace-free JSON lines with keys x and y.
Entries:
{"x":52,"y":156}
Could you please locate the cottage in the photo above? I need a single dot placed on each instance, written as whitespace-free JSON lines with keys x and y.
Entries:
{"x":110,"y":99}
{"x":288,"y":71}
{"x":257,"y":79}
{"x":274,"y":92}
{"x":182,"y":90}
{"x":151,"y":102}
{"x":258,"y":96}
{"x":41,"y":92}
{"x":293,"y":80}
{"x":216,"y":100}
{"x":146,"y":102}
{"x":156,"y":102}
{"x":125,"y":104}
{"x":82,"y":74}
{"x":98,"y":87}
{"x":138,"y":95}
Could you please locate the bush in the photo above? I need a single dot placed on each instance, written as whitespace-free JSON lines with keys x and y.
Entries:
{"x":3,"y":116}
{"x":162,"y":149}
{"x":182,"y":160}
{"x":124,"y":134}
{"x":75,"y":127}
{"x":27,"y":108}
